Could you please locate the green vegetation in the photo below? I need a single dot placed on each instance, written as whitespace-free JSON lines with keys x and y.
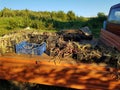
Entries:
{"x":12,"y":20}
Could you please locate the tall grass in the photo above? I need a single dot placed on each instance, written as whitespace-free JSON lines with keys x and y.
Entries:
{"x":96,"y":32}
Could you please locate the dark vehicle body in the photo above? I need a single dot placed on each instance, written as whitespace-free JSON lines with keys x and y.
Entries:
{"x":113,"y":21}
{"x":110,"y":34}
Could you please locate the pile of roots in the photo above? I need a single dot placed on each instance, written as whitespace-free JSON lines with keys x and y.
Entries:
{"x":7,"y":42}
{"x":62,"y":44}
{"x":67,"y":44}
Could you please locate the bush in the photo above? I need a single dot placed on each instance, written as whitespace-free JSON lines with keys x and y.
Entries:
{"x":13,"y":24}
{"x":38,"y":24}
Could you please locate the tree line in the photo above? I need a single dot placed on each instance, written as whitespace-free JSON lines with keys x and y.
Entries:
{"x":46,"y":20}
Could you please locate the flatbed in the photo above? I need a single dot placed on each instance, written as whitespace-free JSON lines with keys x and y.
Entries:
{"x":110,"y":39}
{"x":78,"y":76}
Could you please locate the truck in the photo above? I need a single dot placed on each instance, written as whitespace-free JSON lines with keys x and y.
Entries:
{"x":110,"y":33}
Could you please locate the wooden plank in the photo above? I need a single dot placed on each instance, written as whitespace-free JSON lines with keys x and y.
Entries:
{"x":81,"y":76}
{"x":108,"y":43}
{"x":105,"y":31}
{"x":112,"y":36}
{"x":110,"y":39}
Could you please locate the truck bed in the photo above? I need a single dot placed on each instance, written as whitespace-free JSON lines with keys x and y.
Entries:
{"x":78,"y":76}
{"x":110,"y":39}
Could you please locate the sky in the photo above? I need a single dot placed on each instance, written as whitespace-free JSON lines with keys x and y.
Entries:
{"x":86,"y":8}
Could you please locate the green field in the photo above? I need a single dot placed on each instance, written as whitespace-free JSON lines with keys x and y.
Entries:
{"x":15,"y":20}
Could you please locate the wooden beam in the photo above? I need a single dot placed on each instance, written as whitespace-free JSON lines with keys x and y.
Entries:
{"x":110,"y":39}
{"x":81,"y":76}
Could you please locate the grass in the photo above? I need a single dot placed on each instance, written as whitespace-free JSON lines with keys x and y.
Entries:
{"x":47,"y":30}
{"x":96,"y":32}
{"x":3,"y":31}
{"x":4,"y":23}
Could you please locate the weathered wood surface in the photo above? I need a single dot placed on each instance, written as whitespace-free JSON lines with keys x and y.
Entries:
{"x":110,"y":39}
{"x":82,"y":76}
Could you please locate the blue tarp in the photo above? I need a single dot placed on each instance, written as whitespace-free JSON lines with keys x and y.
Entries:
{"x":30,"y":48}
